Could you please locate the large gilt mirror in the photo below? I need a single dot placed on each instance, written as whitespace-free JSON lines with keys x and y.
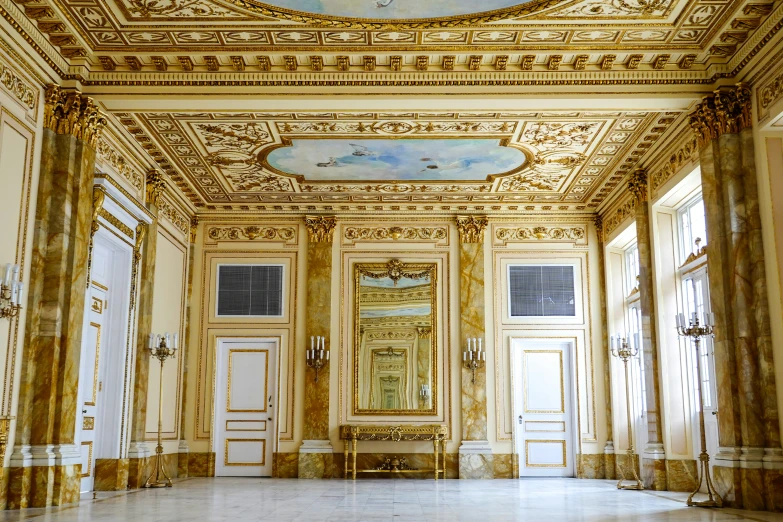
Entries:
{"x":395,"y":349}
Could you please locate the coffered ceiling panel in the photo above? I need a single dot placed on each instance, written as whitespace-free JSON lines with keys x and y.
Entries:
{"x":569,"y":159}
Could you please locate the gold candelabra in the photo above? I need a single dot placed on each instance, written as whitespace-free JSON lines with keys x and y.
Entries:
{"x":161,"y":348}
{"x":474,"y":357}
{"x":317,"y":355}
{"x":622,"y":349}
{"x":10,"y":293}
{"x":696,"y":331}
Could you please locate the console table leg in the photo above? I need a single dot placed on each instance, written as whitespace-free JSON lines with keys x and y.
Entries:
{"x":435,"y":443}
{"x":345,"y":447}
{"x":354,"y":459}
{"x":443,"y":445}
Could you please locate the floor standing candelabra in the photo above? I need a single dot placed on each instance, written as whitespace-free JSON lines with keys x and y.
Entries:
{"x":622,"y":349}
{"x":161,"y":348}
{"x":695,"y":330}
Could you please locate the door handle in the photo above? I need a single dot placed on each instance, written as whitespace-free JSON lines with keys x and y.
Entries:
{"x":84,"y":411}
{"x":269,"y":419}
{"x":715,"y":412}
{"x":520,"y":419}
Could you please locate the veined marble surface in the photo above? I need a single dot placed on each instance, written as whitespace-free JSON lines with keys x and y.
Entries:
{"x":241,"y":499}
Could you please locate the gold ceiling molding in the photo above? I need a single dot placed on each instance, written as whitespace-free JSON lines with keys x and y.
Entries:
{"x":471,"y":228}
{"x":352,"y":234}
{"x":688,"y":152}
{"x":177,"y":218}
{"x":68,"y":112}
{"x":727,"y":111}
{"x":108,"y":153}
{"x":320,"y":229}
{"x":19,"y":88}
{"x":576,"y":234}
{"x":252,"y":233}
{"x":615,"y":217}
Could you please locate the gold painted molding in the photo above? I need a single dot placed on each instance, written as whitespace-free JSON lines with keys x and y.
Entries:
{"x":116,"y":223}
{"x":727,"y":111}
{"x":141,"y":232}
{"x":395,"y":233}
{"x":471,"y":228}
{"x":177,"y":218}
{"x":637,"y":185}
{"x":320,"y":228}
{"x":155,"y":186}
{"x":18,"y":87}
{"x":598,"y":221}
{"x":111,"y":156}
{"x":687,"y":152}
{"x":618,"y":215}
{"x":575,"y":233}
{"x":68,"y":112}
{"x":252,"y":233}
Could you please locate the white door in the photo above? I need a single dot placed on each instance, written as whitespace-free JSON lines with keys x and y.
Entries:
{"x":90,"y":381}
{"x":245,"y":398}
{"x":542,"y":404}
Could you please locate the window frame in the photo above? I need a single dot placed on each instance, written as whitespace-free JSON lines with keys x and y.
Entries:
{"x":218,"y":315}
{"x":686,"y":249}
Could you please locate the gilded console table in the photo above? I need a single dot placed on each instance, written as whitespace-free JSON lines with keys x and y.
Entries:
{"x":437,"y":433}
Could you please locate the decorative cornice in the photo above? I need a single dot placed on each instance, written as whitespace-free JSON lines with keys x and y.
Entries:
{"x":155,"y":186}
{"x":771,"y":92}
{"x":116,"y":223}
{"x":251,"y":233}
{"x":575,"y":233}
{"x":471,"y":228}
{"x":109,"y":154}
{"x":69,"y":112}
{"x":620,"y":214}
{"x":320,"y":228}
{"x":18,"y":87}
{"x":637,"y":185}
{"x":171,"y":213}
{"x":686,"y":153}
{"x":726,"y":111}
{"x":395,"y":233}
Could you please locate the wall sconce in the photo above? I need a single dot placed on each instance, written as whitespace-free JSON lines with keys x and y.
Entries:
{"x":474,"y":357}
{"x":10,"y":293}
{"x":424,"y":392}
{"x":317,"y":355}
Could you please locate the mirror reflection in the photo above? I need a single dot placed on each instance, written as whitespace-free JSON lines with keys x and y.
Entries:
{"x":395,"y":355}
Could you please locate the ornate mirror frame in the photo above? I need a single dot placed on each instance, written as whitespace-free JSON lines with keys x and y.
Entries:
{"x":396,"y":270}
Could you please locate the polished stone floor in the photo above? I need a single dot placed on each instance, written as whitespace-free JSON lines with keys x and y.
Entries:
{"x":238,"y":499}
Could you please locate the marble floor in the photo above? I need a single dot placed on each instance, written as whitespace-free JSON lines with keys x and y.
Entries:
{"x":246,"y":499}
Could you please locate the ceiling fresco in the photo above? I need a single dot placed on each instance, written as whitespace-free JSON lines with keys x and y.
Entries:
{"x":566,"y":160}
{"x":392,"y":159}
{"x":394,"y":9}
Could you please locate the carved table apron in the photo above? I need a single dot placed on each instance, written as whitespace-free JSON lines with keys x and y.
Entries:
{"x":437,"y":433}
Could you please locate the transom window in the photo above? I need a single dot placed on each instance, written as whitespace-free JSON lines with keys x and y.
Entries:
{"x":250,"y":290}
{"x":546,"y":290}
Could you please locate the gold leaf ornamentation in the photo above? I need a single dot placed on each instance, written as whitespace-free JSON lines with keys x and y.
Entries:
{"x":620,"y":214}
{"x":68,"y":112}
{"x":576,"y":233}
{"x":395,"y":233}
{"x":177,"y":218}
{"x":320,"y":228}
{"x":107,"y":153}
{"x":252,"y":233}
{"x":688,"y":152}
{"x":471,"y":228}
{"x":18,"y":88}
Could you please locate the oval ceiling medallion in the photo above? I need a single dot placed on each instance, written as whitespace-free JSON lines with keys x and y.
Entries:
{"x":388,"y":13}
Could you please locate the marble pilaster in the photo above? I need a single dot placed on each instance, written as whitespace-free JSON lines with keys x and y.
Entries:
{"x":589,"y":466}
{"x":47,"y":410}
{"x":182,"y":465}
{"x":144,"y":265}
{"x":681,"y":475}
{"x":599,"y":230}
{"x":748,"y":426}
{"x":653,"y":466}
{"x":475,"y":454}
{"x":111,"y":474}
{"x":315,"y":455}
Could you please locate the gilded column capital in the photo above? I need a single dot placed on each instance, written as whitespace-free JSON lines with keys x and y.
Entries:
{"x":320,"y":228}
{"x":638,"y":185}
{"x":728,"y":110}
{"x":471,"y":228}
{"x":598,"y":221}
{"x":156,"y":184}
{"x":69,"y":112}
{"x":193,"y":228}
{"x":425,"y":332}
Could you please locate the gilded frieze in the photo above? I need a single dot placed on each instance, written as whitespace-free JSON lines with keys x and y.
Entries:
{"x":252,"y":233}
{"x":686,"y":153}
{"x":108,"y":153}
{"x":175,"y":216}
{"x":576,"y":234}
{"x":116,"y":223}
{"x":615,"y":217}
{"x":18,"y":87}
{"x":770,"y":92}
{"x":352,"y":234}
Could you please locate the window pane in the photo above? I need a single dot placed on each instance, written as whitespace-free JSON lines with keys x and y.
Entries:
{"x":542,"y":291}
{"x":255,"y":290}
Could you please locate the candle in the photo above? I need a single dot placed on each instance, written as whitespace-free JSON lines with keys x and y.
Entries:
{"x":16,"y":273}
{"x":479,"y":341}
{"x":150,"y":341}
{"x":471,"y":355}
{"x":312,"y":340}
{"x":14,"y":290}
{"x":322,"y":353}
{"x":464,"y":356}
{"x":327,"y":356}
{"x":176,"y":341}
{"x":693,"y":317}
{"x":483,"y":356}
{"x":712,"y":319}
{"x":19,"y":288}
{"x":7,"y":277}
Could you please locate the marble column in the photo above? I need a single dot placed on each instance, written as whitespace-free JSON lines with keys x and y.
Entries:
{"x":654,"y":456}
{"x":475,"y":454}
{"x":609,"y":457}
{"x":183,"y":450}
{"x":144,"y":269}
{"x":46,"y":462}
{"x":315,"y":454}
{"x":748,"y":466}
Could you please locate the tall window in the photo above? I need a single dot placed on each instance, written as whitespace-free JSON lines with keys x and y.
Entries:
{"x":634,"y":331}
{"x":631,"y":269}
{"x":693,"y":226}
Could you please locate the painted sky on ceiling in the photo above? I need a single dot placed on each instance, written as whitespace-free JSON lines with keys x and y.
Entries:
{"x":404,"y":159}
{"x":393,"y":9}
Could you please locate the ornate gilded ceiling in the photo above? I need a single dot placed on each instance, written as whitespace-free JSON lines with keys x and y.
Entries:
{"x":541,"y":160}
{"x":658,"y":41}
